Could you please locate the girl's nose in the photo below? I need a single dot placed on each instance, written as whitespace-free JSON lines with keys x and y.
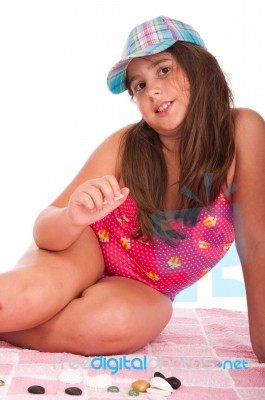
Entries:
{"x":154,"y":89}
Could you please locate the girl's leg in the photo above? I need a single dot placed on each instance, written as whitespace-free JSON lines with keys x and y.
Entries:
{"x":44,"y":282}
{"x":114,"y":316}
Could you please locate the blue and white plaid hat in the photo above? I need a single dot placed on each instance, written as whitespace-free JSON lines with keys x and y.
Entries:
{"x":150,"y":37}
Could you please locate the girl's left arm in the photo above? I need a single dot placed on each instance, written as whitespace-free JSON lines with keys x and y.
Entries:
{"x":249,"y":219}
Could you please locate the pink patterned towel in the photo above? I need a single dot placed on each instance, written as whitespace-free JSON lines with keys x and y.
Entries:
{"x":207,"y":349}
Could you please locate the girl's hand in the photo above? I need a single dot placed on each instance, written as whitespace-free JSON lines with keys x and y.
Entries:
{"x":95,"y":199}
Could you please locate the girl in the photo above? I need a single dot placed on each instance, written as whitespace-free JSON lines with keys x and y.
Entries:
{"x":154,"y":208}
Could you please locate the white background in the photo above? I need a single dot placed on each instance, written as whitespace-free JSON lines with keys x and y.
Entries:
{"x":55,"y":107}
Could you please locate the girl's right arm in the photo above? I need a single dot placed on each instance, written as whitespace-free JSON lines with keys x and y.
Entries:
{"x":88,"y":198}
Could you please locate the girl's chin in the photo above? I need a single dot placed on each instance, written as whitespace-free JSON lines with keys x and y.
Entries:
{"x":170,"y":130}
{"x":166,"y":127}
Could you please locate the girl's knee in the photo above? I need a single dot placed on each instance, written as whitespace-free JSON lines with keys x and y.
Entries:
{"x":32,"y":303}
{"x":39,"y":303}
{"x":118,"y":328}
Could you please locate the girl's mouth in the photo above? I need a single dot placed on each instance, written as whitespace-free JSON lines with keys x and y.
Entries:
{"x":163,"y":107}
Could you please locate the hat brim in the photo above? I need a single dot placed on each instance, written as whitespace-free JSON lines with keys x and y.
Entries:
{"x":116,"y":79}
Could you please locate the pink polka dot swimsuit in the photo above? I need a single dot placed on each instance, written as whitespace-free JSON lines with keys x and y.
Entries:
{"x":166,"y":268}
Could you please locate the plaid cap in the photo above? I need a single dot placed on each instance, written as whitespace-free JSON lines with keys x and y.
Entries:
{"x":150,"y":37}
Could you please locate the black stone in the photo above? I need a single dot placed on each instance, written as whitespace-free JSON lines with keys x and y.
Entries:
{"x":73,"y":391}
{"x":174,"y":382}
{"x":35,"y":389}
{"x":159,"y":375}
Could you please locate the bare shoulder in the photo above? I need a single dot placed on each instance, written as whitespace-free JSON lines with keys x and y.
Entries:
{"x":249,"y":125}
{"x":249,"y":144}
{"x":249,"y":174}
{"x":249,"y":132}
{"x":104,"y":160}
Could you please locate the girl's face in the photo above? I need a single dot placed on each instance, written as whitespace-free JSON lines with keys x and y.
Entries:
{"x":161,"y":90}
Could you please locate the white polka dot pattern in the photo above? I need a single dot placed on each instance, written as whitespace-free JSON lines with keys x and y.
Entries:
{"x":167,"y":269}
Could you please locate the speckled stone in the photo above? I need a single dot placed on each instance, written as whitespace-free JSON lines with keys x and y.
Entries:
{"x":133,"y":392}
{"x":113,"y":389}
{"x":140,"y":385}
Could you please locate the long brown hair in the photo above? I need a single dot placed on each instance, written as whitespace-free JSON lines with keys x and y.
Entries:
{"x":206,"y":143}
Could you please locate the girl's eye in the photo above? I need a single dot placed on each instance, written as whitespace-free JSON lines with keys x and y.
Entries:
{"x":140,"y":86}
{"x":164,"y":71}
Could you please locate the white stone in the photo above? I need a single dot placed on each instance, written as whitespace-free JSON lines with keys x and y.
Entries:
{"x":101,"y":381}
{"x":70,"y":376}
{"x":161,"y":383}
{"x":158,"y":392}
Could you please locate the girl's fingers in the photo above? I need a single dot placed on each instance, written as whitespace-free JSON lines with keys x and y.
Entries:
{"x":114,"y":184}
{"x":102,"y":191}
{"x":116,"y":198}
{"x":96,"y":194}
{"x":86,"y":200}
{"x":110,"y":189}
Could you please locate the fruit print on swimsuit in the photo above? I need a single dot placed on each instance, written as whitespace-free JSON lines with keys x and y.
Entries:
{"x":153,"y":276}
{"x":169,"y":269}
{"x":202,"y":246}
{"x":207,"y":239}
{"x":125,"y":242}
{"x":103,"y":235}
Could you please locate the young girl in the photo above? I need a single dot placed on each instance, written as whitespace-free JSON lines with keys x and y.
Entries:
{"x":153,"y":209}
